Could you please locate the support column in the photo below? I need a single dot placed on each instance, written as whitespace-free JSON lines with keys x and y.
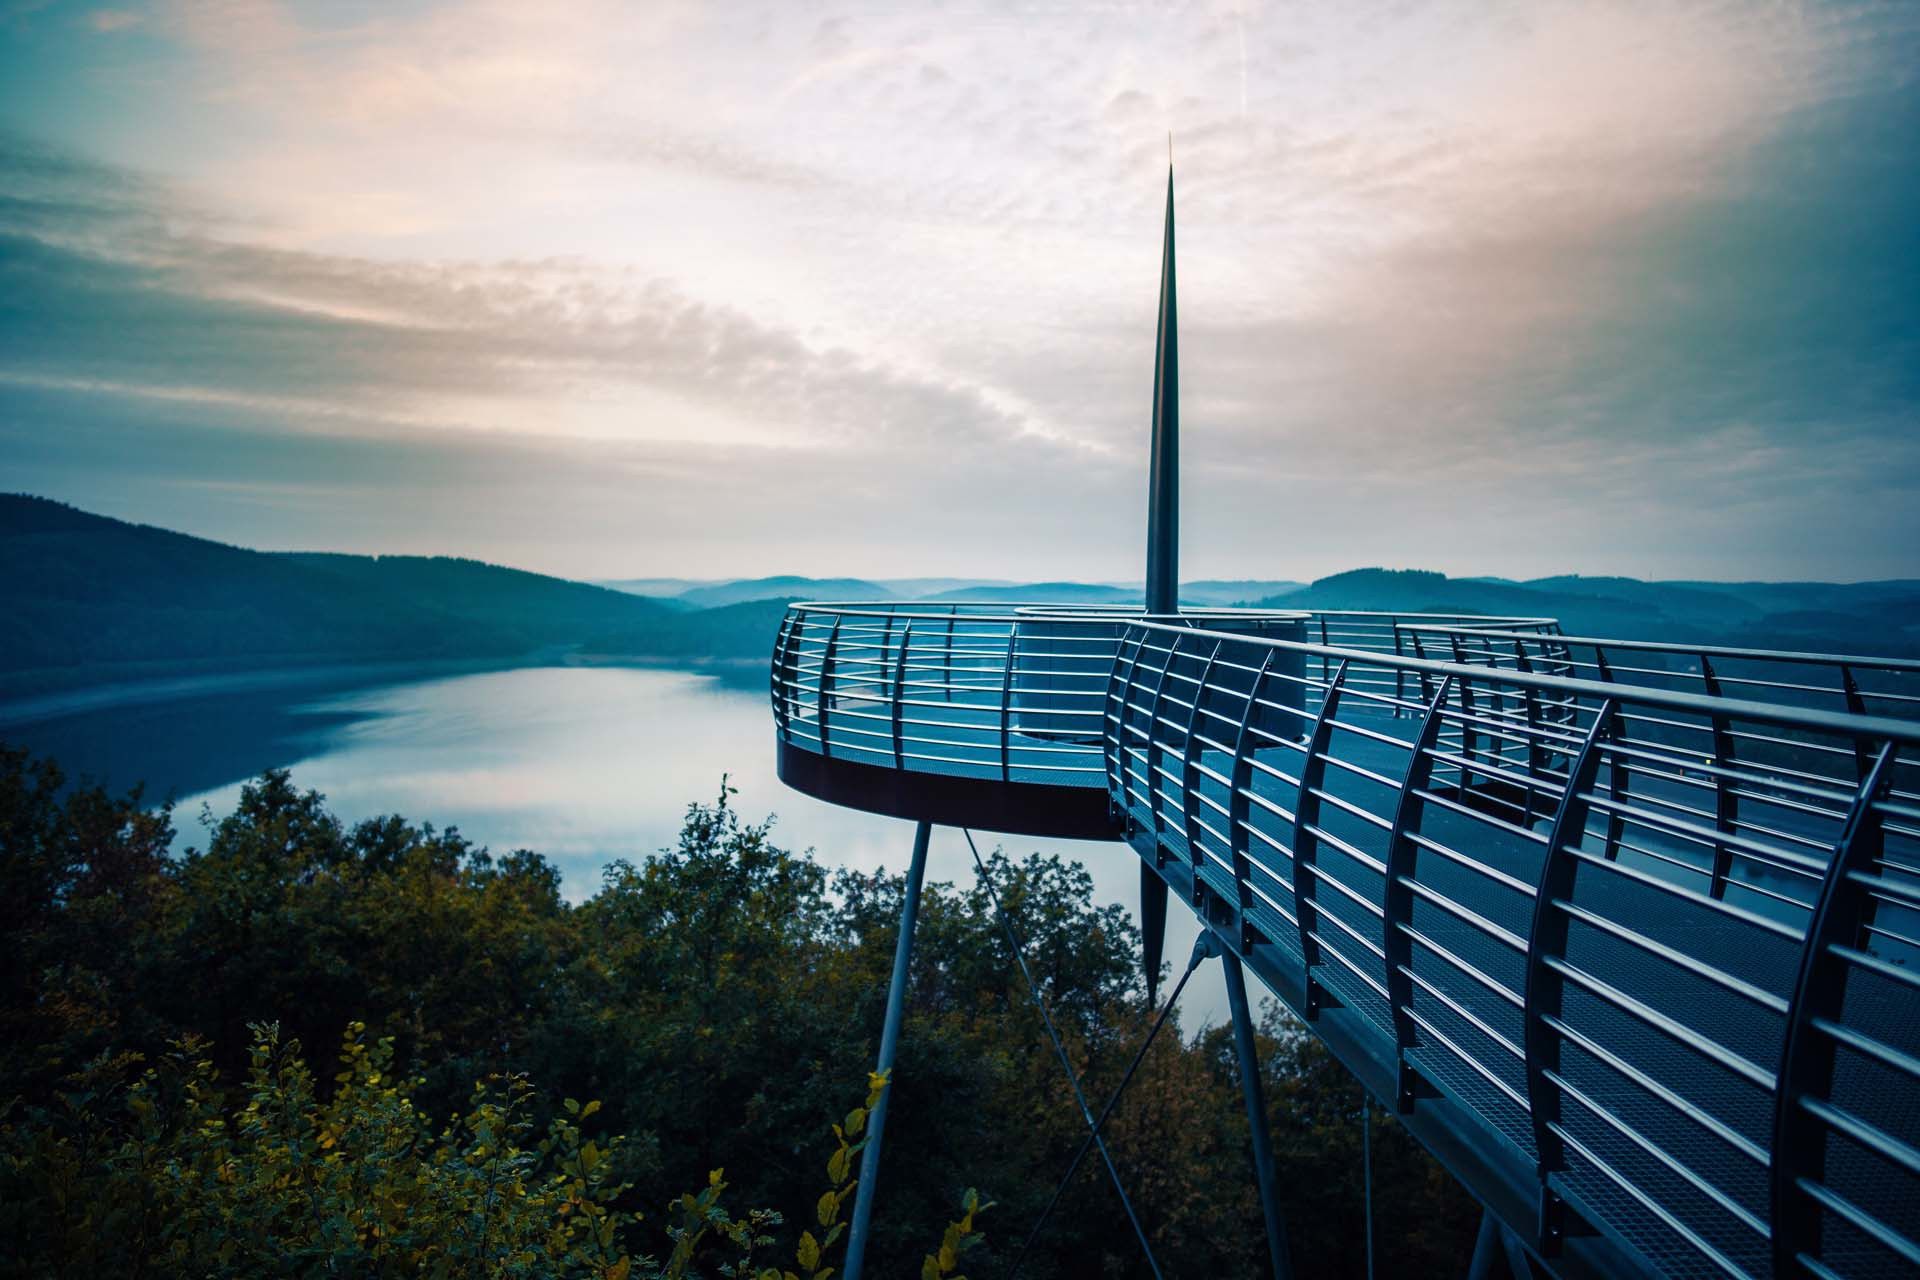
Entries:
{"x":1163,"y":556}
{"x":1256,"y":1115}
{"x":889,"y":1042}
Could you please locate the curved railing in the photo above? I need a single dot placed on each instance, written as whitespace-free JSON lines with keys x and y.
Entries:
{"x":1860,"y":683}
{"x":1005,"y":691}
{"x":1636,"y":962}
{"x":1696,"y":1031}
{"x":1013,"y":692}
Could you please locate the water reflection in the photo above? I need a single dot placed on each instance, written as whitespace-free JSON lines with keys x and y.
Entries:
{"x":583,"y":765}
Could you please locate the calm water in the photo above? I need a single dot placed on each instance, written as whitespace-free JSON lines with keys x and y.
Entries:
{"x":583,"y":765}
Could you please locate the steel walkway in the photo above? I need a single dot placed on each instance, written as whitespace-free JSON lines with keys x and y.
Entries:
{"x":1625,"y":931}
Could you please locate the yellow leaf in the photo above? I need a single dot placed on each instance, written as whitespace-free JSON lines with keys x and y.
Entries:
{"x":619,"y":1270}
{"x":828,"y":1209}
{"x":809,"y":1251}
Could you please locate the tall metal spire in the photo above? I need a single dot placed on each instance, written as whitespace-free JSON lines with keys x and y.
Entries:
{"x":1163,"y":487}
{"x":1163,"y":546}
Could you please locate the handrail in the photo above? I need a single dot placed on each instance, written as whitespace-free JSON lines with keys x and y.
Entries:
{"x":1685,"y":650}
{"x":1604,"y":995}
{"x":1665,"y":699}
{"x":1600,"y":940}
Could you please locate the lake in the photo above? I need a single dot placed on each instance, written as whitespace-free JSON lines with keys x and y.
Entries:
{"x":581,"y":764}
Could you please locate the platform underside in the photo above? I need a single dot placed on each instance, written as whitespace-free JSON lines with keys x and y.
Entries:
{"x":1049,"y":810}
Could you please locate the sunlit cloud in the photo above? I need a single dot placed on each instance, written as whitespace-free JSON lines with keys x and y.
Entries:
{"x":1486,"y":288}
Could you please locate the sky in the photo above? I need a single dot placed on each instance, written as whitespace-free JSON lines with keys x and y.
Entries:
{"x":736,"y":288}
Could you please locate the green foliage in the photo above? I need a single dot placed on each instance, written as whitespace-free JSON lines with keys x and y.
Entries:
{"x":716,"y":997}
{"x":162,"y":1171}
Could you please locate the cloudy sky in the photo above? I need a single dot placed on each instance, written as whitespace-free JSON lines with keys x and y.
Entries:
{"x":726,"y":288}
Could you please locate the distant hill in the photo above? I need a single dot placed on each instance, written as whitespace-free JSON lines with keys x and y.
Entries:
{"x":784,"y":587}
{"x":1867,"y":617}
{"x":88,"y":599}
{"x":1220,"y":593}
{"x":923,"y":588}
{"x":730,"y":633}
{"x":654,"y":588}
{"x":1045,"y":593}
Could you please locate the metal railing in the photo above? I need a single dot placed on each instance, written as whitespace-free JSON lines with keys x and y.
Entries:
{"x":1004,"y":690}
{"x":1008,"y":691}
{"x":1648,"y":949}
{"x":1525,"y":895}
{"x":1864,"y":684}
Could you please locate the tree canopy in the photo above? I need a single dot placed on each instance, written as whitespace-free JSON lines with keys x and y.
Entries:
{"x":201,"y":1025}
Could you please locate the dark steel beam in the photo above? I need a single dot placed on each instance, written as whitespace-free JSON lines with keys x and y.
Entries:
{"x":1397,"y":915}
{"x":889,"y":1045}
{"x":1546,"y":940}
{"x":1163,"y":547}
{"x":1799,"y":1146}
{"x":1057,"y":810}
{"x":1306,"y":812}
{"x":1254,"y":1094}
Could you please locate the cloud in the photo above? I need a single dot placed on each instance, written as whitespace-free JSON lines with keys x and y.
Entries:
{"x":107,"y":21}
{"x":1494,"y":288}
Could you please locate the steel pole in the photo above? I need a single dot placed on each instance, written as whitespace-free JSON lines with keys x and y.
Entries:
{"x":1256,"y":1115}
{"x":1486,"y":1249}
{"x":889,"y":1042}
{"x":1163,"y":548}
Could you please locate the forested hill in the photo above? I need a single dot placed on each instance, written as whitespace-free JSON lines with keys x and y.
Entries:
{"x":1851,"y":617}
{"x":90,"y":599}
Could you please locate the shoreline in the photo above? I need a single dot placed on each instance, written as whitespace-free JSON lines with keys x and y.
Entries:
{"x":114,"y":694}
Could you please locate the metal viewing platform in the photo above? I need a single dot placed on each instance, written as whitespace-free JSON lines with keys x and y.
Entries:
{"x":1626,"y":932}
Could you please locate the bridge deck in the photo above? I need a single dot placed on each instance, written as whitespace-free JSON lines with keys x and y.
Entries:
{"x":1636,"y":963}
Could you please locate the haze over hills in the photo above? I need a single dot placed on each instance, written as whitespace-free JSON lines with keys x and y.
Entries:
{"x":1858,"y":617}
{"x":690,"y":593}
{"x":784,"y":587}
{"x":90,"y":599}
{"x":94,"y":601}
{"x":709,"y":592}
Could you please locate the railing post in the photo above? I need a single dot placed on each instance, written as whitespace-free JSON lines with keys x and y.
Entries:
{"x":1530,"y":708}
{"x":1426,"y":682}
{"x":1807,"y":1054}
{"x":1546,"y":941}
{"x":1618,"y":776}
{"x":1397,"y":904}
{"x":1190,"y":777}
{"x":1725,"y":803}
{"x":1857,"y":705}
{"x":1469,"y":737}
{"x":1306,"y":811}
{"x":900,"y":697}
{"x":1253,"y":1093}
{"x":777,"y":674}
{"x":825,"y":693}
{"x":1399,"y":676}
{"x":889,"y":1044}
{"x":1154,"y":749}
{"x":1006,"y":706}
{"x":1239,"y":782}
{"x":946,"y":684}
{"x":1120,"y":692}
{"x":886,"y":643}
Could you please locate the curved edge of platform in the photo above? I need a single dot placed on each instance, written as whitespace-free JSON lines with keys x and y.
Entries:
{"x":1043,"y":809}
